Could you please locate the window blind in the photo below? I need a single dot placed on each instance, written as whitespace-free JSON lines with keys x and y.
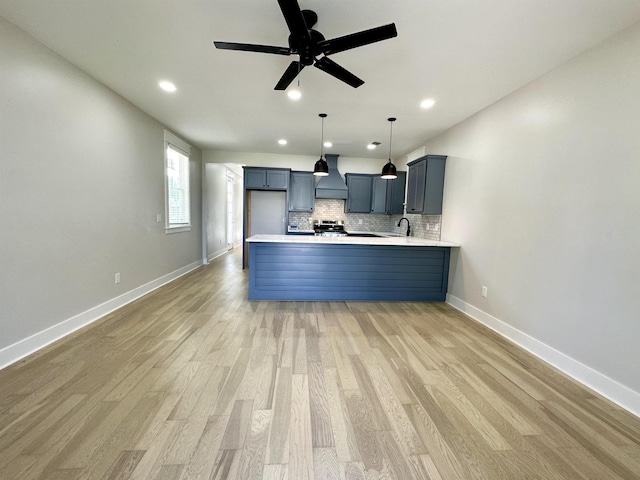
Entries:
{"x":178,"y":205}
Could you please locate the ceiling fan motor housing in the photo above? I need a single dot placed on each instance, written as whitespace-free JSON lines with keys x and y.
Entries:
{"x":307,"y":48}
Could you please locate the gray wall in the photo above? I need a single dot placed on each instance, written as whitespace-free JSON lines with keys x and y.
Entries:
{"x":81,"y":182}
{"x":543,"y":192}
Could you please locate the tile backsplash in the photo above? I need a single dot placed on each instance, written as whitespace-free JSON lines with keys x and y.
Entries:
{"x":423,"y":226}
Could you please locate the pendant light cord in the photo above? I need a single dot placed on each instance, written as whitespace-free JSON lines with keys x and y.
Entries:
{"x":322,"y":116}
{"x":390,"y":137}
{"x":322,"y":140}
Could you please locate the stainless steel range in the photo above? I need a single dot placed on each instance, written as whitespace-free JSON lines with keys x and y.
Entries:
{"x":329,"y":228}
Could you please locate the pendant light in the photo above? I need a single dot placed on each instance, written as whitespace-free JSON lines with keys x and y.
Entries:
{"x":321,"y":169}
{"x":389,"y":169}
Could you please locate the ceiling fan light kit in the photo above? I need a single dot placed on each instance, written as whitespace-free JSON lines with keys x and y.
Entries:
{"x":294,"y":94}
{"x":311,"y":46}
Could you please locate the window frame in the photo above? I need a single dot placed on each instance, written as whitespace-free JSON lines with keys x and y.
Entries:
{"x":181,"y":147}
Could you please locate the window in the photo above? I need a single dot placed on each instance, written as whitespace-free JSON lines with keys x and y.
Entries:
{"x":178,"y":201}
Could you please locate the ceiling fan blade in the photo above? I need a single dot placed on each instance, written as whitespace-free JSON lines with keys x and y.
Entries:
{"x":289,"y":74}
{"x":332,"y":68}
{"x":294,"y":18}
{"x":249,"y":47}
{"x":365,"y":37}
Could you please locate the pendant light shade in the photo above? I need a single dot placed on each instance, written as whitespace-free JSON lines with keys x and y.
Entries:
{"x":321,"y":169}
{"x":389,"y":170}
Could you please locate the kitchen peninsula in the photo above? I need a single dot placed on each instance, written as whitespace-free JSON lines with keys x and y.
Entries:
{"x":316,"y":268}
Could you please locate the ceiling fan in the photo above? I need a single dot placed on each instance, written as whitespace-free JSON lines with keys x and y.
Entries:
{"x":310,"y":44}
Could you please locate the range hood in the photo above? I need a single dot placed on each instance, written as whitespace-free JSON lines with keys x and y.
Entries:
{"x":332,"y":186}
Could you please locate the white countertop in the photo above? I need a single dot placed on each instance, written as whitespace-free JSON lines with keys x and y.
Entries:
{"x":386,"y":241}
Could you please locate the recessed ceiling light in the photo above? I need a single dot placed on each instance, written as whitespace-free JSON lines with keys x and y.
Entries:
{"x":373,"y":145}
{"x":427,"y":103}
{"x":167,"y":86}
{"x":294,"y":94}
{"x":328,"y":144}
{"x":282,"y":141}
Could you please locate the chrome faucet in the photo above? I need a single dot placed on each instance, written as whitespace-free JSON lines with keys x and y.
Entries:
{"x":408,"y":224}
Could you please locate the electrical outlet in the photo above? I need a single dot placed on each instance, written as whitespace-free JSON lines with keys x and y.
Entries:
{"x":117,"y":278}
{"x":158,"y":217}
{"x":484,"y":291}
{"x":359,"y":221}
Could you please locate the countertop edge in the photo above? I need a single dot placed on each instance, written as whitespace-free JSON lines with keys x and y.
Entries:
{"x":382,"y":241}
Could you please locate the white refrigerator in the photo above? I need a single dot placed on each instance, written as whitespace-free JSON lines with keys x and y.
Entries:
{"x":268,"y":213}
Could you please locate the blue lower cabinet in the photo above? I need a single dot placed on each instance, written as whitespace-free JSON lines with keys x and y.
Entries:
{"x":330,"y":272}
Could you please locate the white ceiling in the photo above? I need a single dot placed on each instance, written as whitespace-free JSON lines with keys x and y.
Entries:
{"x":466,"y":54}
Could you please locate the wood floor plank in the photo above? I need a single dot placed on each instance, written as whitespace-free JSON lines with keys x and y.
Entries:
{"x":369,"y":395}
{"x":300,"y":441}
{"x":299,"y":351}
{"x":426,"y":468}
{"x":403,"y":430}
{"x":325,"y":464}
{"x":321,"y":430}
{"x":124,"y":465}
{"x":362,"y":422}
{"x":278,"y":446}
{"x":193,"y":381}
{"x":253,"y":454}
{"x":507,"y":411}
{"x":202,"y":462}
{"x":343,"y":363}
{"x":32,"y":439}
{"x":275,"y":472}
{"x":232,"y":383}
{"x":352,"y":470}
{"x":312,"y":334}
{"x":344,"y":438}
{"x":238,"y":425}
{"x":122,"y":438}
{"x":440,"y":451}
{"x":478,"y":422}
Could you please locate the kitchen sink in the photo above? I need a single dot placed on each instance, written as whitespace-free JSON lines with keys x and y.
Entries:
{"x":362,"y":234}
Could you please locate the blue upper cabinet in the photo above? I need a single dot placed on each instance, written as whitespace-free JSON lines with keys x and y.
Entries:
{"x":359,"y":199}
{"x":379,"y":194}
{"x":387,"y":196}
{"x":301,"y":192}
{"x":256,"y":178}
{"x":425,"y":186}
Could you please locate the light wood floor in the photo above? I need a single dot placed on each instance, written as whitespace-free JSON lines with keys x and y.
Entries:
{"x":193,"y":381}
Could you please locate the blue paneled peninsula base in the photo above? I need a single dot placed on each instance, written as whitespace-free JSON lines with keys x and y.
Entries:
{"x":331,"y":269}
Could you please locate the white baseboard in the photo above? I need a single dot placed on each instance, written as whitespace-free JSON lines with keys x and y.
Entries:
{"x":605,"y":386}
{"x":29,"y":345}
